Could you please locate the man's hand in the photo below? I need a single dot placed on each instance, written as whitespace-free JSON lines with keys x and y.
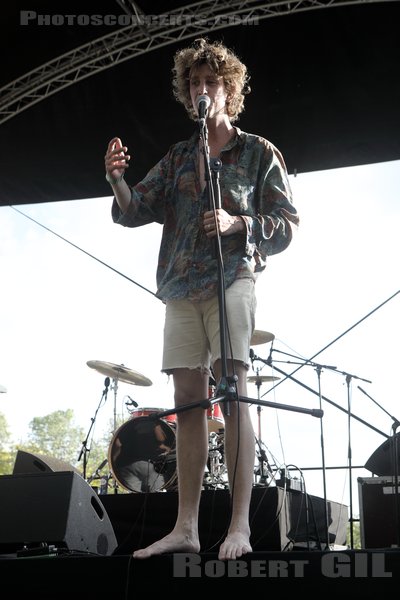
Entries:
{"x":227,"y":224}
{"x":116,"y":160}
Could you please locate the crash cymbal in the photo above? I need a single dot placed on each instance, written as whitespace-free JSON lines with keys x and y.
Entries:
{"x":261,"y":337}
{"x":2,"y":389}
{"x":119,"y":372}
{"x":262,"y":378}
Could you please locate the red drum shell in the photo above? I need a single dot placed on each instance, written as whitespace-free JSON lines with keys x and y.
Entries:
{"x":147,"y":412}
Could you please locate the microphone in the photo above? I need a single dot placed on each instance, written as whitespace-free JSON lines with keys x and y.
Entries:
{"x":107,"y":382}
{"x":252,"y":355}
{"x":202,"y":104}
{"x":131,"y":402}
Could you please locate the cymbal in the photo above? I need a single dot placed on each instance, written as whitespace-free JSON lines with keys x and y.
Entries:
{"x":119,"y":372}
{"x":261,"y":337}
{"x":260,"y":378}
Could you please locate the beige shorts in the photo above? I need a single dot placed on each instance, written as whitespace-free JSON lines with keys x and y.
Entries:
{"x":191,"y":331}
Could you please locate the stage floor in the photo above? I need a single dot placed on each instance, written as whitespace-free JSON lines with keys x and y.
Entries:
{"x":119,"y":577}
{"x":60,"y":540}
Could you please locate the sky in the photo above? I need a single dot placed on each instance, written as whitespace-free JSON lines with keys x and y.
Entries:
{"x":331,"y":297}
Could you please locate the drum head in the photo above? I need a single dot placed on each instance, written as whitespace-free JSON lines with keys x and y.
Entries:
{"x":142,"y":455}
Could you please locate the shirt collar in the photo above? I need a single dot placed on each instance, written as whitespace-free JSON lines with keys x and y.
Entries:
{"x":236,"y":139}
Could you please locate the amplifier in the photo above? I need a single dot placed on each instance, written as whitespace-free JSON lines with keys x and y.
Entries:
{"x":379,"y":509}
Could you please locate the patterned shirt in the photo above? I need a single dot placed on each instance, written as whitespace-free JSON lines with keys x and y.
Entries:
{"x":254,"y":185}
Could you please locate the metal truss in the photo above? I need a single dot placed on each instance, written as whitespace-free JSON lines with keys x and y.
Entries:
{"x":145,"y":33}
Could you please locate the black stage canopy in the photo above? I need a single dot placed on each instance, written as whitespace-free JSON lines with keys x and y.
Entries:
{"x":324,"y":77}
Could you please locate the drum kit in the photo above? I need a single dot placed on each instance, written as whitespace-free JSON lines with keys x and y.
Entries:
{"x":142,"y":452}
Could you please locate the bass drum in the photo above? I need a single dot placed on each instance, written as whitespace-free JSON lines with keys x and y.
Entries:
{"x":142,"y":455}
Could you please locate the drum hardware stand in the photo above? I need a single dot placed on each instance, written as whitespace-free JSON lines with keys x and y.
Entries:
{"x":264,"y":467}
{"x":85,"y":450}
{"x":114,"y":387}
{"x":217,"y":466}
{"x":265,"y":470}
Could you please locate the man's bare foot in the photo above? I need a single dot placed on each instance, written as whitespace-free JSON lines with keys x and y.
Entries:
{"x":235,"y":545}
{"x":173,"y":542}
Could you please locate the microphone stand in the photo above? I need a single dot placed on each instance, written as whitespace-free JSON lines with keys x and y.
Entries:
{"x":226,"y":387}
{"x":318,"y":369}
{"x":85,"y":450}
{"x":212,"y":168}
{"x":349,"y":377}
{"x":394,"y":462}
{"x":306,"y":387}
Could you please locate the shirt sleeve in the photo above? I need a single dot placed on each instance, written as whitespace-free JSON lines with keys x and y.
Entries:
{"x":270,"y":230}
{"x":147,"y":199}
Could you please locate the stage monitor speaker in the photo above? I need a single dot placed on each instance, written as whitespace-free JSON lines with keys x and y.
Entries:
{"x":27,"y":462}
{"x":58,"y":510}
{"x":377,"y":500}
{"x":383,"y":460}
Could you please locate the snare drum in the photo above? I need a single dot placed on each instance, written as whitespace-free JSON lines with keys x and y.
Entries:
{"x":215,"y":419}
{"x":142,"y":455}
{"x":146,"y":412}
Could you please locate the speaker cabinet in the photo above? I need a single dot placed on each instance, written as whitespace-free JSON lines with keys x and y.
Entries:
{"x":27,"y":462}
{"x":378,"y":506}
{"x":53,"y":509}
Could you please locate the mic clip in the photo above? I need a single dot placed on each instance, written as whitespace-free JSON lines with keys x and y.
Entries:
{"x":131,"y":402}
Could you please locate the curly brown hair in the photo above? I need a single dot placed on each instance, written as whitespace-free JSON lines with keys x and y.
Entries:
{"x":223,"y":62}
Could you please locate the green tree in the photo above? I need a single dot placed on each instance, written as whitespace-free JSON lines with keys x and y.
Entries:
{"x":4,"y":432}
{"x":6,"y":452}
{"x":356,"y":535}
{"x":55,"y":435}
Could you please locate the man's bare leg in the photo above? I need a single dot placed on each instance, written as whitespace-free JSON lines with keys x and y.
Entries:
{"x":192,"y":453}
{"x":240,"y":457}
